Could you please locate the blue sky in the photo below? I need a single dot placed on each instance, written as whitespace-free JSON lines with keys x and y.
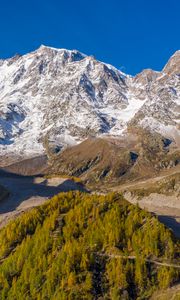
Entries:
{"x":129,"y":34}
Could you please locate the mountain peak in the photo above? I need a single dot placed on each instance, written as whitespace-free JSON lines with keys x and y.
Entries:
{"x":70,"y":55}
{"x":176,"y":53}
{"x":173,"y":65}
{"x":63,"y":96}
{"x":44,"y":47}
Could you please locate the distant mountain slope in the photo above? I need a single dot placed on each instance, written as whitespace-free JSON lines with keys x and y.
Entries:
{"x":113,"y":161}
{"x":61,"y":97}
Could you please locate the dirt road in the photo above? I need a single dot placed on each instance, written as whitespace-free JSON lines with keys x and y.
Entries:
{"x":133,"y":257}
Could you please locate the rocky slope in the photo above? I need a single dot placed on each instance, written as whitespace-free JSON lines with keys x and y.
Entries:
{"x":58,"y":97}
{"x":106,"y":162}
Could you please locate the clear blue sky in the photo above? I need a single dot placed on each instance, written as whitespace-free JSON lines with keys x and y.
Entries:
{"x":129,"y":34}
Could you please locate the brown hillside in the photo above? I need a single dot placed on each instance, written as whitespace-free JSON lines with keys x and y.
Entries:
{"x":113,"y":160}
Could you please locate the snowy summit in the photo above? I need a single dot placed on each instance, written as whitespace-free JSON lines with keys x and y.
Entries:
{"x":65,"y":96}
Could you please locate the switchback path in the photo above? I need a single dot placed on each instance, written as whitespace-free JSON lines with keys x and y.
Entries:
{"x":133,"y":257}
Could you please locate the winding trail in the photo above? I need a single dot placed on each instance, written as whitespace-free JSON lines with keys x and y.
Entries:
{"x":133,"y":257}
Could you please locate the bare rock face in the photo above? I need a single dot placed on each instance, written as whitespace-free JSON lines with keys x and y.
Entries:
{"x":173,"y":65}
{"x":61,"y":97}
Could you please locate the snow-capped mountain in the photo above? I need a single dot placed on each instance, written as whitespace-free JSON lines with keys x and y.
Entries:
{"x":65,"y":96}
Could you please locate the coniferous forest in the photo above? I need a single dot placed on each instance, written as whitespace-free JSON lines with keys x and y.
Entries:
{"x":82,"y":246}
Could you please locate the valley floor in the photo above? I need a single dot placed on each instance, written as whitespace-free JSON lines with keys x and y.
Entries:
{"x":29,"y":191}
